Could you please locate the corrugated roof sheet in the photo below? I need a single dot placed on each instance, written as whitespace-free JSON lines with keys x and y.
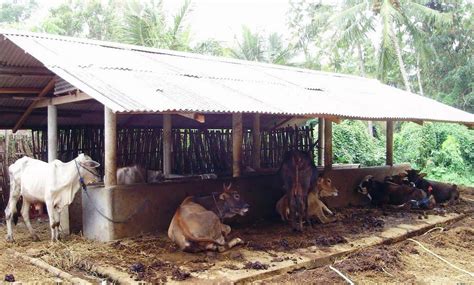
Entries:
{"x":130,"y":78}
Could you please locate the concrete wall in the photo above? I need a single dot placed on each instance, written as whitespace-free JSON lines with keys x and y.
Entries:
{"x":144,"y":208}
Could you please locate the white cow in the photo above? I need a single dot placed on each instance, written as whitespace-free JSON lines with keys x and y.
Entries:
{"x":131,"y":175}
{"x":55,"y":184}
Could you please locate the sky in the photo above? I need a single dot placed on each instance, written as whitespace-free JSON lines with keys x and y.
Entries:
{"x":223,"y":19}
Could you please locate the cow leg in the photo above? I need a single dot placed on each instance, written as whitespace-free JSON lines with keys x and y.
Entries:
{"x":25,"y":213}
{"x":305,"y":204}
{"x":325,"y":208}
{"x":10,"y":210}
{"x":293,"y":209}
{"x":53,"y":221}
{"x":234,"y":242}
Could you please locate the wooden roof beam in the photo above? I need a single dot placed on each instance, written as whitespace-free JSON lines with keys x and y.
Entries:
{"x":32,"y":71}
{"x":23,"y":90}
{"x":81,"y":96}
{"x":194,"y":116}
{"x":28,"y":111}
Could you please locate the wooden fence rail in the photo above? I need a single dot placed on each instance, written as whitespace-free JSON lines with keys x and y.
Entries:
{"x":194,"y":150}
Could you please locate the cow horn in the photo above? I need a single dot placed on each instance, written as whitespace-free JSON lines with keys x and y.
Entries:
{"x":227,"y":188}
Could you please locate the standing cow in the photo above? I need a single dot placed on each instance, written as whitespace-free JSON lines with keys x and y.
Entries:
{"x":299,"y":175}
{"x":55,"y":184}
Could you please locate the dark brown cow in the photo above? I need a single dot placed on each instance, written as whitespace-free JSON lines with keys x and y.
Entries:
{"x":299,"y":174}
{"x":381,"y":193}
{"x":442,"y":192}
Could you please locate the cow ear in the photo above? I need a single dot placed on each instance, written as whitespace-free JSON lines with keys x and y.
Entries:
{"x":90,"y":164}
{"x":422,"y":175}
{"x":222,"y":196}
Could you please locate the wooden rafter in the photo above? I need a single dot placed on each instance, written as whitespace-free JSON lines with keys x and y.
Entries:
{"x":20,"y":71}
{"x":28,"y":111}
{"x":24,"y":90}
{"x":63,"y":100}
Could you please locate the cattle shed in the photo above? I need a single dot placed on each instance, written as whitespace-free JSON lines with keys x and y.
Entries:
{"x":189,"y":114}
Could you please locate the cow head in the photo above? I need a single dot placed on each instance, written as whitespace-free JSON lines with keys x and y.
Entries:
{"x":414,"y":175}
{"x":325,"y":187}
{"x":365,"y":185}
{"x":88,"y":169}
{"x":233,"y":204}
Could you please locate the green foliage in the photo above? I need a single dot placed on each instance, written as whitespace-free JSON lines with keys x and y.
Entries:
{"x":92,"y":19}
{"x":444,"y":151}
{"x":15,"y":11}
{"x":353,"y":144}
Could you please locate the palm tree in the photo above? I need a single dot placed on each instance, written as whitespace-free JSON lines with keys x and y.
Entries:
{"x":395,"y":19}
{"x":249,"y":47}
{"x":254,"y":46}
{"x":146,"y":25}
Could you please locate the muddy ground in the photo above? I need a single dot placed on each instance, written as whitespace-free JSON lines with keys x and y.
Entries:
{"x":155,"y":259}
{"x":404,"y":262}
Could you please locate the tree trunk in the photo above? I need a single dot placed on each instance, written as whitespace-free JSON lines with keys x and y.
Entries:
{"x":401,"y":64}
{"x":362,"y":73}
{"x":418,"y":75}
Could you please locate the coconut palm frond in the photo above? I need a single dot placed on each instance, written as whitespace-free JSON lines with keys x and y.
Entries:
{"x":428,"y":14}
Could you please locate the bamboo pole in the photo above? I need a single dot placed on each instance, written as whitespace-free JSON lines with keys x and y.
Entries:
{"x":167,"y":142}
{"x":236,"y":144}
{"x":110,"y":147}
{"x":327,"y":144}
{"x":257,"y":142}
{"x":389,"y":144}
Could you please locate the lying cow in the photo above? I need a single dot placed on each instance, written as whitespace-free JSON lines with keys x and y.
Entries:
{"x":298,"y":174}
{"x":55,"y":184}
{"x":131,"y":175}
{"x":442,"y":192}
{"x":197,"y":226}
{"x":381,"y":193}
{"x":316,"y":207}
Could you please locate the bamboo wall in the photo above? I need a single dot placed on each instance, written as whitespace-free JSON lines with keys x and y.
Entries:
{"x":194,"y":151}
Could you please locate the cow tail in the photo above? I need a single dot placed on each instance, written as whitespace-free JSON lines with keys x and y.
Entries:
{"x":187,"y":233}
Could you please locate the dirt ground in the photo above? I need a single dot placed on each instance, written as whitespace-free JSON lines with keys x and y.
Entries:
{"x":155,"y":259}
{"x":404,"y":262}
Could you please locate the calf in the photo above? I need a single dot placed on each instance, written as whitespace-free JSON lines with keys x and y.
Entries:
{"x":298,"y":174}
{"x":442,"y":192}
{"x":316,"y":207}
{"x":197,"y":226}
{"x":381,"y":193}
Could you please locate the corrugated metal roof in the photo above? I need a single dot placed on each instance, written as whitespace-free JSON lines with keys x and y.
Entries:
{"x":130,"y":78}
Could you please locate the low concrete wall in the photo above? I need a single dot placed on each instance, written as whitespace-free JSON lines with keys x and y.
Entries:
{"x":145,"y":208}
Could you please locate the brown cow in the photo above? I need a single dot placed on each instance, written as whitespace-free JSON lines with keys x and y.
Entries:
{"x":316,"y":207}
{"x":195,"y":227}
{"x":442,"y":192}
{"x":298,"y":174}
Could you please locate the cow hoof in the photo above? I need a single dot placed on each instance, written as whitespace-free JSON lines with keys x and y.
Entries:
{"x":10,"y":239}
{"x":35,"y":238}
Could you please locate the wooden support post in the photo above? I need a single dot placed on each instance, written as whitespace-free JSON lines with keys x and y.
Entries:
{"x":110,"y":147}
{"x":321,"y":141}
{"x":389,"y":144}
{"x":327,"y":144}
{"x":52,"y":155}
{"x":52,"y":133}
{"x":257,"y":142}
{"x":237,"y":139}
{"x":167,"y":143}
